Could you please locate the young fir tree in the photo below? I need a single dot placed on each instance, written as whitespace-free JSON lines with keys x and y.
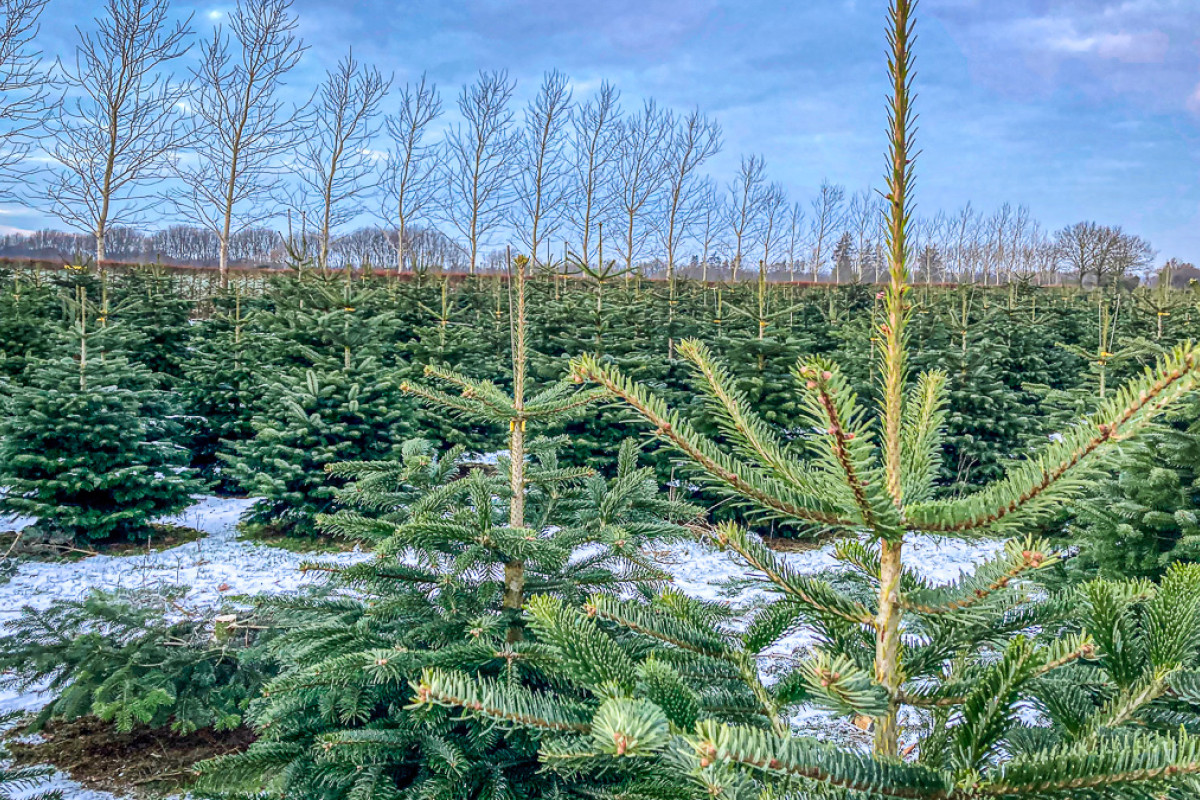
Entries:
{"x":28,"y":317}
{"x":448,"y":335}
{"x":332,"y":397}
{"x":221,"y":382}
{"x":147,"y":301}
{"x":455,"y":556}
{"x":22,"y":782}
{"x":1146,"y":516}
{"x":131,"y":658}
{"x":86,"y":442}
{"x":1110,"y":669}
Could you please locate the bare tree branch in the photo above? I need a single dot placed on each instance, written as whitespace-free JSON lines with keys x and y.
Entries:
{"x":695,"y":139}
{"x":233,"y":179}
{"x":24,"y":89}
{"x":597,"y":131}
{"x":639,"y":176}
{"x":411,"y":170}
{"x":540,"y":181}
{"x":335,"y":165}
{"x":122,"y":128}
{"x":480,"y":155}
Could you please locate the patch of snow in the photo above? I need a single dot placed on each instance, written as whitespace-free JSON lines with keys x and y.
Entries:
{"x":214,"y":567}
{"x":706,"y":573}
{"x":70,"y":790}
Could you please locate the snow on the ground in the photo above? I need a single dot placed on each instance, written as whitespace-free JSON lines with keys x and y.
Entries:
{"x":709,"y":574}
{"x":214,"y":567}
{"x":221,"y":565}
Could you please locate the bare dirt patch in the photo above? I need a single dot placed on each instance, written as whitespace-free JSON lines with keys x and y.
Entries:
{"x":144,"y":763}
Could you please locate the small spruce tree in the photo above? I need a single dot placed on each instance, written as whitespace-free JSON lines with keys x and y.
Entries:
{"x":455,"y":556}
{"x":330,"y":396}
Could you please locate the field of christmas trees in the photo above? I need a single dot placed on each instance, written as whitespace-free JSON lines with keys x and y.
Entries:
{"x":565,"y":532}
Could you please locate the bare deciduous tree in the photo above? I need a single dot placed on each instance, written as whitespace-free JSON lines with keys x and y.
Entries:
{"x":863,"y":218}
{"x":827,"y":219}
{"x":694,"y":140}
{"x":597,"y":136}
{"x":122,"y":128}
{"x":335,"y":166}
{"x":244,"y":128}
{"x":711,"y":218}
{"x":479,"y":158}
{"x":639,"y":176}
{"x":410,"y":172}
{"x":24,"y":88}
{"x":773,"y":228}
{"x":795,"y":234}
{"x":542,"y":167}
{"x":745,"y":204}
{"x":965,"y":226}
{"x":1104,"y":251}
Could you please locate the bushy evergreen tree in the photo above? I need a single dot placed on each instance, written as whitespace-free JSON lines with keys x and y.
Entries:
{"x":134,"y":660}
{"x":87,"y":443}
{"x":223,"y":380}
{"x":309,"y":420}
{"x":1146,"y":516}
{"x":29,"y":315}
{"x":332,"y":394}
{"x":455,"y":557}
{"x":1108,"y":670}
{"x":147,"y":301}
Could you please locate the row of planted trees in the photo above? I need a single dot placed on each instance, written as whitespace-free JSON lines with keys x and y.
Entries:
{"x":562,"y":169}
{"x":267,"y":388}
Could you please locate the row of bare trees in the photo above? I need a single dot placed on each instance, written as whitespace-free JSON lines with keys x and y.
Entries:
{"x":131,"y":133}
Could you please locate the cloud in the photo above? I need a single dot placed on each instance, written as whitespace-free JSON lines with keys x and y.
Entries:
{"x":1132,"y":48}
{"x":1099,"y":50}
{"x":1193,"y":101}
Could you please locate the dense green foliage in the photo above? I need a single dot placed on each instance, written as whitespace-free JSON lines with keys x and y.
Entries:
{"x":338,"y":721}
{"x":1144,"y":518}
{"x":512,"y":637}
{"x":87,"y":441}
{"x":136,"y":661}
{"x":1017,"y":362}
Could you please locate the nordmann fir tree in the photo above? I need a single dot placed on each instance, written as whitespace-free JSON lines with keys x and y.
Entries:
{"x":482,"y":401}
{"x":332,"y":398}
{"x":87,"y":439}
{"x":1108,"y":671}
{"x":339,"y":723}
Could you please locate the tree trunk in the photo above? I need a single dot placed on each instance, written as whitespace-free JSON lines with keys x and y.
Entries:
{"x":400,"y":247}
{"x":224,"y":262}
{"x":514,"y":571}
{"x":888,"y":671}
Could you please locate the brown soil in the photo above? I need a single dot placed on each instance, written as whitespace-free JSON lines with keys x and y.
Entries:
{"x":272,"y":536}
{"x":785,"y":545}
{"x":164,"y":538}
{"x":144,"y":763}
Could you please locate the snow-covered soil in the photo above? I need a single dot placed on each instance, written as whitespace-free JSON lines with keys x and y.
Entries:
{"x":216,"y":566}
{"x":220,"y":565}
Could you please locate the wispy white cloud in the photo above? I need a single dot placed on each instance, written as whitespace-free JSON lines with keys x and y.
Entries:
{"x":1193,"y":101}
{"x":1140,"y":49}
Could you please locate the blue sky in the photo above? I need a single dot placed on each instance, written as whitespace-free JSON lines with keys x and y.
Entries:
{"x":1079,"y":109}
